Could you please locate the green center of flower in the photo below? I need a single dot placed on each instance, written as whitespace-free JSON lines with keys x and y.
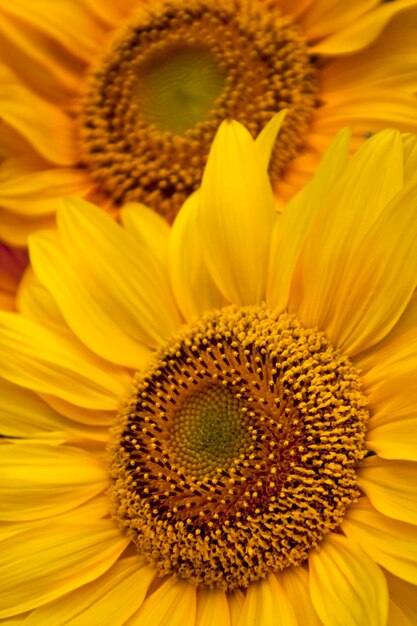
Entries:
{"x":152,"y":104}
{"x":178,"y":89}
{"x":210,"y":431}
{"x":238,"y":449}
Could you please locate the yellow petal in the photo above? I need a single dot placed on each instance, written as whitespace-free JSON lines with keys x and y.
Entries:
{"x":46,"y":361}
{"x":325,"y":17}
{"x":77,"y":31}
{"x":37,"y":121}
{"x":110,"y":11}
{"x":267,"y":603}
{"x":397,"y":437}
{"x":404,"y":596}
{"x":43,"y":479}
{"x":35,"y":302}
{"x":391,"y":487}
{"x":410,"y":156}
{"x":194,"y":288}
{"x":44,"y":563}
{"x":15,"y":231}
{"x":265,"y":141}
{"x":396,"y":617}
{"x":174,"y":603}
{"x":30,"y":57}
{"x":294,"y":581}
{"x":359,"y":33}
{"x":236,"y":215}
{"x":24,"y":414}
{"x":149,"y":229}
{"x":389,"y":62}
{"x":356,"y":313}
{"x":389,"y":542}
{"x":38,"y":193}
{"x":347,"y":587}
{"x":366,"y":111}
{"x":212,"y":608}
{"x":129,"y":286}
{"x":81,"y":415}
{"x":98,"y":326}
{"x":110,"y":599}
{"x":236,"y":600}
{"x":295,"y":222}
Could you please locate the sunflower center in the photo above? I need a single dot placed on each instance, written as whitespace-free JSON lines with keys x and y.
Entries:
{"x":178,"y":89}
{"x":209,"y":431}
{"x":237,"y":451}
{"x":153,"y":102}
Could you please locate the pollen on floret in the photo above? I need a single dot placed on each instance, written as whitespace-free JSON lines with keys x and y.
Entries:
{"x":237,"y":451}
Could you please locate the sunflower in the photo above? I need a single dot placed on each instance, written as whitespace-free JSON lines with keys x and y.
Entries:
{"x":215,"y":422}
{"x":118,"y":101}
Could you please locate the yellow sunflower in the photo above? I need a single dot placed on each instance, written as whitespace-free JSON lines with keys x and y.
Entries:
{"x":119,"y":101}
{"x":215,"y":422}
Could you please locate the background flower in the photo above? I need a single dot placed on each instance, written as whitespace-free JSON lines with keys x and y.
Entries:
{"x":340,"y":64}
{"x":333,"y":261}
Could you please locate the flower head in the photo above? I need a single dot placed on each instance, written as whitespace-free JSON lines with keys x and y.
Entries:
{"x":215,"y":422}
{"x":120,"y":101}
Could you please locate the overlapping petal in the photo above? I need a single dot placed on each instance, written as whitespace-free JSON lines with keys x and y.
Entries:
{"x":347,"y":587}
{"x":389,"y":542}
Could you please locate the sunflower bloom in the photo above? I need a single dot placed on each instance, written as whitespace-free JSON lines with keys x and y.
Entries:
{"x":119,"y":101}
{"x":215,"y":422}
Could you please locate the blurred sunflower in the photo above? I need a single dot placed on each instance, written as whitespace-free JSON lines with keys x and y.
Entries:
{"x":262,"y":467}
{"x":119,"y":101}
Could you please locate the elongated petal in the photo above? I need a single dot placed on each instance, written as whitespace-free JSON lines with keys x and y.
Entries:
{"x":174,"y":603}
{"x":389,"y":542}
{"x":24,"y":414}
{"x":397,"y":437}
{"x":77,"y":31}
{"x":404,"y":596}
{"x":294,"y":581}
{"x":46,"y":361}
{"x":297,"y":219}
{"x":236,"y":601}
{"x":39,"y":479}
{"x":38,"y":193}
{"x":347,"y":587}
{"x":37,"y":121}
{"x":194,"y":288}
{"x":266,"y":603}
{"x":322,"y":18}
{"x":212,"y":608}
{"x":129,"y":285}
{"x":15,"y":231}
{"x":389,"y":62}
{"x":111,"y":599}
{"x":236,"y":215}
{"x":149,"y":229}
{"x":361,"y":32}
{"x":39,"y":565}
{"x":356,"y":313}
{"x":265,"y":141}
{"x":391,"y":487}
{"x":97,"y":326}
{"x":29,"y":56}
